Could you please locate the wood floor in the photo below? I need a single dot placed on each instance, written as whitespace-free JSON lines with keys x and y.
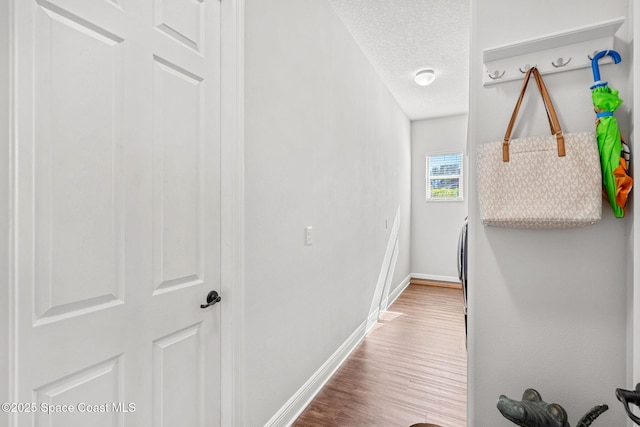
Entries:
{"x":411,"y":368}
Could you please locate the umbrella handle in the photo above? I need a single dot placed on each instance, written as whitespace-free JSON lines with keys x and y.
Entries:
{"x":594,"y":62}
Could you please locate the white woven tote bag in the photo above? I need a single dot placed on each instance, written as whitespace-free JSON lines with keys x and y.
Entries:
{"x":551,"y":181}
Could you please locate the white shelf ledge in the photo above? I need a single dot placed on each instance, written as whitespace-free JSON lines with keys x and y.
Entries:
{"x":552,"y":53}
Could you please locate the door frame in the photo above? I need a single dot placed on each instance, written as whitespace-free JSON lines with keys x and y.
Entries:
{"x":232,"y":210}
{"x":6,"y":134}
{"x":232,"y":214}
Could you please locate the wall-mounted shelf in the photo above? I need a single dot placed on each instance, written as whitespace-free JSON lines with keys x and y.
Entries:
{"x":553,"y":53}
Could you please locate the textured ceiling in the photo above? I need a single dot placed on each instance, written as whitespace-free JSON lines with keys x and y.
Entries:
{"x":401,"y":37}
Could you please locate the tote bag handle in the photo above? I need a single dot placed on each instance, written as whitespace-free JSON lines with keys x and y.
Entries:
{"x":554,"y":124}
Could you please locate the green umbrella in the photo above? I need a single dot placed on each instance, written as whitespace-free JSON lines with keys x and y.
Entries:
{"x":616,"y":181}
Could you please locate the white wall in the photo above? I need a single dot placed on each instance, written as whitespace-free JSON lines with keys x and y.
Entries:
{"x":547,"y":308}
{"x":326,"y":146}
{"x":633,"y":318}
{"x":435,"y":226}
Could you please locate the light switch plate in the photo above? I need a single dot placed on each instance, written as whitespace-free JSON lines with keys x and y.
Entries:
{"x":308,"y":235}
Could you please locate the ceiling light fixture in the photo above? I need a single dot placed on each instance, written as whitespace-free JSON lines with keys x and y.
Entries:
{"x":425,"y":77}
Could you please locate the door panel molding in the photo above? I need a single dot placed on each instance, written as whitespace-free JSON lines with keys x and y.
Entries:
{"x":104,"y":379}
{"x":165,"y":17}
{"x":178,"y":364}
{"x":178,"y":214}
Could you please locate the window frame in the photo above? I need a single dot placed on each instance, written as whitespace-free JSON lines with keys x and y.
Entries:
{"x":429,"y":177}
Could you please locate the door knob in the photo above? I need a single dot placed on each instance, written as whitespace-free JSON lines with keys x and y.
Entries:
{"x":212,"y":298}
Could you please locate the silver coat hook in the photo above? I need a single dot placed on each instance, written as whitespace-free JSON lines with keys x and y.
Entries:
{"x":527,"y":67}
{"x":496,"y":75}
{"x":560,"y":62}
{"x":595,"y":52}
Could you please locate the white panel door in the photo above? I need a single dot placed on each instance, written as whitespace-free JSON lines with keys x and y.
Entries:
{"x":117,"y":213}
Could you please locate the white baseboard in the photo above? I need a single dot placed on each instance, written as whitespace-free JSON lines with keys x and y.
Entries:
{"x":397,"y":291}
{"x":372,"y":319}
{"x":453,"y":279}
{"x":301,"y":399}
{"x":385,"y":276}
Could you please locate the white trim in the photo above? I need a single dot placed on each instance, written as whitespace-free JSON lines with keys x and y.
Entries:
{"x":384,"y":302}
{"x":373,"y":318}
{"x":393,"y":296}
{"x":301,"y":399}
{"x":429,"y":177}
{"x":232,"y":404}
{"x":384,"y":277}
{"x":6,"y":193}
{"x":436,"y":278}
{"x":12,"y":301}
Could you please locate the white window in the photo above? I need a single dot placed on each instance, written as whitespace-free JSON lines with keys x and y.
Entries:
{"x":444,"y":177}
